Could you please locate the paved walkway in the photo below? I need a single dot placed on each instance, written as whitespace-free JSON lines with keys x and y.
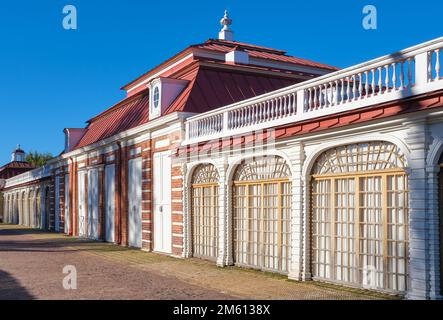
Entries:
{"x":32,"y":262}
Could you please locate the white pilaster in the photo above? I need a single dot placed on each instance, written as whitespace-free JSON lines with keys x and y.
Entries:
{"x":297,"y":156}
{"x":224,"y":223}
{"x":187,"y":234}
{"x":417,"y":140}
{"x":433,"y":218}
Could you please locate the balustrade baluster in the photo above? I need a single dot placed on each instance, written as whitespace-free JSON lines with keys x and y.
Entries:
{"x":342,"y":93}
{"x":286,"y":105}
{"x":380,"y":81}
{"x":348,"y":89}
{"x":360,"y":85}
{"x":402,"y":75}
{"x":409,"y":72}
{"x":354,"y":87}
{"x":235,"y":120}
{"x":437,"y":64}
{"x":373,"y":81}
{"x":336,"y":93}
{"x":387,"y":78}
{"x":394,"y":76}
{"x":315,"y":98}
{"x":325,"y":96}
{"x":310,"y":99}
{"x":259,"y":112}
{"x":366,"y":83}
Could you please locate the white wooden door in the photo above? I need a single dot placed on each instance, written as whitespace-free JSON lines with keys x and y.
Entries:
{"x":134,"y":203}
{"x":81,"y":204}
{"x":110,"y":203}
{"x":93,"y":186}
{"x":57,"y":204}
{"x":67,"y":200}
{"x":162,"y":202}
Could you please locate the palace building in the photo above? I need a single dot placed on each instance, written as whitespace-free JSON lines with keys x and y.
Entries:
{"x":244,"y":155}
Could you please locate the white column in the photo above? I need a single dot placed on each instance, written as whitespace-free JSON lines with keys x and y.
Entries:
{"x":297,"y":156}
{"x":417,"y":140}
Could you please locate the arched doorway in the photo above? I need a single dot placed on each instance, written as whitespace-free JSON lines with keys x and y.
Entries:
{"x":205,"y":184}
{"x":359,"y":216}
{"x":262,"y":214}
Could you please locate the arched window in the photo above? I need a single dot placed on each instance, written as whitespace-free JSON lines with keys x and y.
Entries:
{"x":359,"y":216}
{"x":264,"y":168}
{"x":205,"y":234}
{"x":360,"y":158}
{"x":262,"y":214}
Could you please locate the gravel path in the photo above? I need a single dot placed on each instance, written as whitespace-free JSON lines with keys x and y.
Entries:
{"x":32,"y":262}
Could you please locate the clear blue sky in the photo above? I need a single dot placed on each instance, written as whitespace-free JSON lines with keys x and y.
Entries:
{"x":51,"y":78}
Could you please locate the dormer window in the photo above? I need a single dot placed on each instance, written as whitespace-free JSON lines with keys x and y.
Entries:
{"x":156,"y":97}
{"x":163,"y":91}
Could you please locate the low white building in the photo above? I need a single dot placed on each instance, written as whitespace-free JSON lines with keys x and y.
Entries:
{"x":332,"y":177}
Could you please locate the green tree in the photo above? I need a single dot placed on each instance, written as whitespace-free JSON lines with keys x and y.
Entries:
{"x":38,"y":159}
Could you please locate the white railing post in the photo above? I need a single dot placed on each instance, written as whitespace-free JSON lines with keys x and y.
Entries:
{"x":225,"y":121}
{"x":300,"y":103}
{"x":422,"y":63}
{"x":187,"y":131}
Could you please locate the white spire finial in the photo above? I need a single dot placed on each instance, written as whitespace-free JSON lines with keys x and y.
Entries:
{"x":226,"y":33}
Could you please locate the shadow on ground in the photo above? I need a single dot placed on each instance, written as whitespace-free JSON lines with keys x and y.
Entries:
{"x":11,"y":289}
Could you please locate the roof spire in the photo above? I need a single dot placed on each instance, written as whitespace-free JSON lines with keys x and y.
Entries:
{"x":18,"y":154}
{"x":226,"y":33}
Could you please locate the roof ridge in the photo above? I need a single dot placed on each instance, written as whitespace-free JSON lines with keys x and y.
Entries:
{"x":247,"y":45}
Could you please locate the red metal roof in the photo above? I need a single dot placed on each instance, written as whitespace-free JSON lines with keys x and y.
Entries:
{"x":212,"y":88}
{"x":224,"y":46}
{"x":14,"y":168}
{"x":208,"y":89}
{"x":16,"y":165}
{"x":127,"y":114}
{"x":212,"y":84}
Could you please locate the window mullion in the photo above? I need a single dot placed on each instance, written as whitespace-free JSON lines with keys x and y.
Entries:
{"x":280,"y":225}
{"x":332,"y":230}
{"x":357,"y":230}
{"x":385,"y":229}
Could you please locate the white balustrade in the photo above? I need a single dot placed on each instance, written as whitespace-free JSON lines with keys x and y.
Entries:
{"x":29,"y":176}
{"x":410,"y":72}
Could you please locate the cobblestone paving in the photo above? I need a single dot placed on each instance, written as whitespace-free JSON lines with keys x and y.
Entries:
{"x":31,"y":264}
